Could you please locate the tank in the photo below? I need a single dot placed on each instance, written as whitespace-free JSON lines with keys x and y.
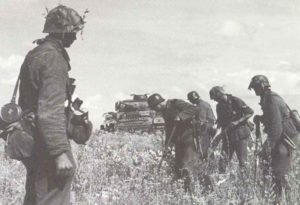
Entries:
{"x":134,"y":115}
{"x":110,"y":121}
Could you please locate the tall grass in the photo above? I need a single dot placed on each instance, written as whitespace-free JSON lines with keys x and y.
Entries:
{"x":122,"y":169}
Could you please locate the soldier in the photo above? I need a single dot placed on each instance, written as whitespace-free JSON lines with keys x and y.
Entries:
{"x":178,"y":115}
{"x":232,"y":116}
{"x":279,"y":128}
{"x":206,"y":121}
{"x":43,"y":90}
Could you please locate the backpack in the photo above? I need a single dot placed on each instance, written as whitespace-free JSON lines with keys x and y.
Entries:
{"x":294,"y":114}
{"x":291,"y":141}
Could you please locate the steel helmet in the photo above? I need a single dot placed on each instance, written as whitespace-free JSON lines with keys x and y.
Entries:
{"x":216,"y":91}
{"x":81,"y":133}
{"x":62,"y":19}
{"x":192,"y":96}
{"x":259,"y":80}
{"x":154,"y":99}
{"x":79,"y":127}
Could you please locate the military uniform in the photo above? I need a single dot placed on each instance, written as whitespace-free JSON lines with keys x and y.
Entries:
{"x":183,"y":137}
{"x":43,"y":90}
{"x":278,"y":124}
{"x":206,"y":120}
{"x":236,"y":139}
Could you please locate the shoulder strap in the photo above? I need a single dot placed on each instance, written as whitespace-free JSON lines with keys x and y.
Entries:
{"x":14,"y":96}
{"x":70,"y":90}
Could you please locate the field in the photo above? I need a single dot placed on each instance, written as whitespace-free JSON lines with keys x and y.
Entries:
{"x":122,"y":169}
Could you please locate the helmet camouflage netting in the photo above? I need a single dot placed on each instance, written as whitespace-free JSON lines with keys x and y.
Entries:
{"x":62,"y":19}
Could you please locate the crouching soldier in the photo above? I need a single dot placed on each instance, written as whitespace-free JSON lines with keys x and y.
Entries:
{"x":178,"y":115}
{"x":280,"y":130}
{"x":232,"y":116}
{"x":206,"y":122}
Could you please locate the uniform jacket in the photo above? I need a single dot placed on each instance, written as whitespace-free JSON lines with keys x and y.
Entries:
{"x":231,"y":111}
{"x":206,"y":114}
{"x":43,"y":89}
{"x":175,"y":107}
{"x":276,"y":117}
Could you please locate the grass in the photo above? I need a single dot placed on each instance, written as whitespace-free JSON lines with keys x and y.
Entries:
{"x":122,"y":169}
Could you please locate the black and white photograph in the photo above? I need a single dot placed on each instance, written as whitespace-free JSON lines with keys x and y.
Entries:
{"x":150,"y":102}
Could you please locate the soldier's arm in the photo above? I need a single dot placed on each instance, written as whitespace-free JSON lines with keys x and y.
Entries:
{"x":210,"y":115}
{"x":186,"y":110}
{"x":168,"y":130}
{"x":246,"y":110}
{"x":219,"y":117}
{"x":273,"y":121}
{"x":51,"y":119}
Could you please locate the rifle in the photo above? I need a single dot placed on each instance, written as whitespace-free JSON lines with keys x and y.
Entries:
{"x":258,"y":136}
{"x":166,"y":148}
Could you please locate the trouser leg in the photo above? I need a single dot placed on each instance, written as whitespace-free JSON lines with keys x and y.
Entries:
{"x":43,"y":187}
{"x":54,"y":190}
{"x":29,"y":198}
{"x":281,"y":159}
{"x":204,"y":144}
{"x":178,"y":161}
{"x":187,"y":159}
{"x":226,"y":155}
{"x":241,"y":152}
{"x":205,"y":179}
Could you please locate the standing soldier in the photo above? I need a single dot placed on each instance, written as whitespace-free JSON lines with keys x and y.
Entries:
{"x":206,"y":121}
{"x":232,"y":116}
{"x":178,"y":115}
{"x":280,"y":130}
{"x":43,"y":90}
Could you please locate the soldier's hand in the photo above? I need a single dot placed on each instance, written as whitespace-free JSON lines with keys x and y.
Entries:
{"x":177,"y":119}
{"x":64,"y":166}
{"x":257,"y":119}
{"x":233,"y":125}
{"x":212,"y":131}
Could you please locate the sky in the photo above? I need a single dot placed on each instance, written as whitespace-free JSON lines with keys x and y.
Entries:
{"x":170,"y":47}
